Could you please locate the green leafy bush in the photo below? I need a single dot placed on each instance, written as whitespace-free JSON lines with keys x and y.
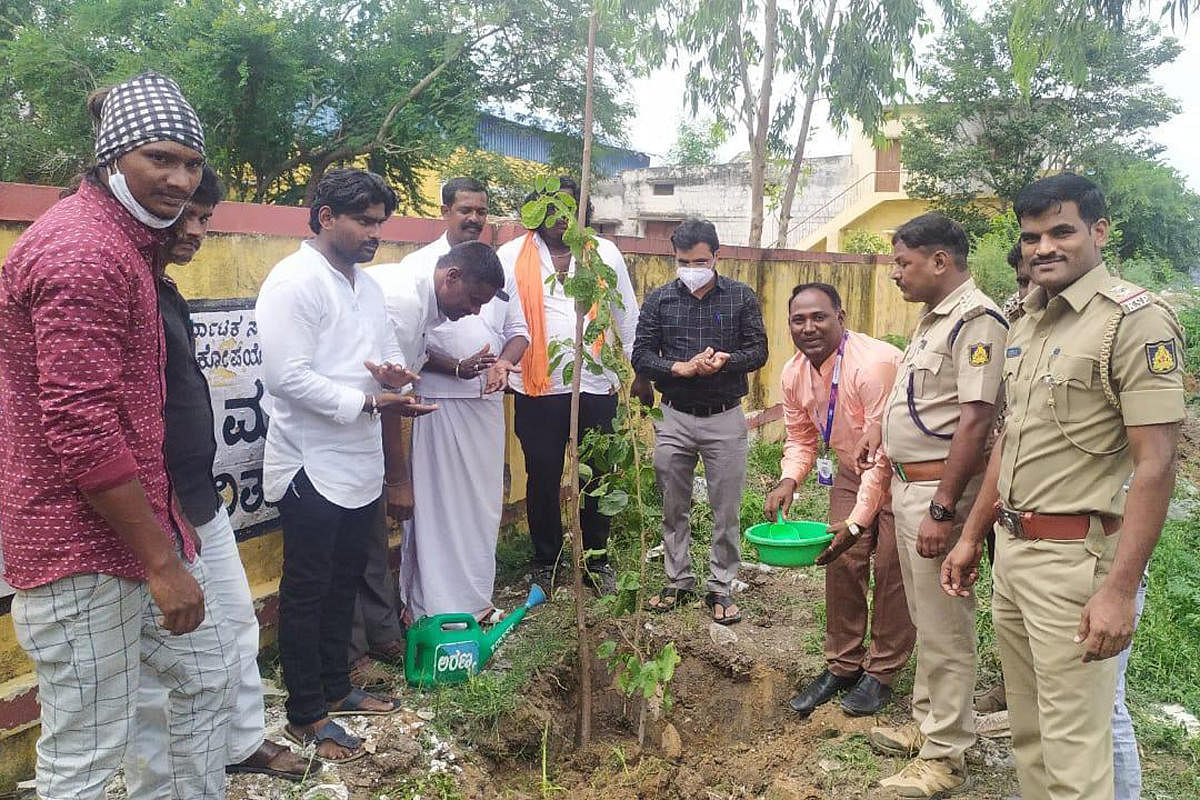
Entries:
{"x":989,"y":257}
{"x":864,"y":242}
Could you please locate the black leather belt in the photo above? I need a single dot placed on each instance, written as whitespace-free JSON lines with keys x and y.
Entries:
{"x":702,"y":410}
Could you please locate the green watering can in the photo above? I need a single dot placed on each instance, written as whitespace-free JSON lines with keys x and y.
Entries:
{"x":450,"y":648}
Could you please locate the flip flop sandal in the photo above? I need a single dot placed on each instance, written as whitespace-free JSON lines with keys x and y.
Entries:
{"x":352,"y":706}
{"x":670,"y":598}
{"x":246,"y":768}
{"x":329,"y":732}
{"x":713,"y":599}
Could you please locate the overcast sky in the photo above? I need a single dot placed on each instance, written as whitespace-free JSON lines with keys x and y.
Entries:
{"x":660,"y":107}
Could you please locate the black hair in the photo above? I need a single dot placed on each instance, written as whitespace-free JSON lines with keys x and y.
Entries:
{"x":829,"y":291}
{"x":1015,"y":255}
{"x":210,"y":191}
{"x":95,"y":103}
{"x":1046,"y":193}
{"x":935,"y":231}
{"x":478,"y":262}
{"x":566,"y":184}
{"x":347,"y":191}
{"x":694,"y":231}
{"x":452,"y":187}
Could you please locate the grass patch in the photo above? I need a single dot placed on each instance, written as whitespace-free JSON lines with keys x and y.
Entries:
{"x":475,"y":709}
{"x":848,"y":764}
{"x":1165,"y":663}
{"x":439,"y":786}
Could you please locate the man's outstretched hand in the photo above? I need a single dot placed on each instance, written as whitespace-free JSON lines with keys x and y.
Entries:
{"x":406,"y":405}
{"x":779,"y":499}
{"x":392,"y":376}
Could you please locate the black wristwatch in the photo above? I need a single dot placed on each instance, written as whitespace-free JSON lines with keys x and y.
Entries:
{"x":940,"y":513}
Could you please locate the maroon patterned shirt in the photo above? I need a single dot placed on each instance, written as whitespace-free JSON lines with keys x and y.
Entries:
{"x":81,"y":388}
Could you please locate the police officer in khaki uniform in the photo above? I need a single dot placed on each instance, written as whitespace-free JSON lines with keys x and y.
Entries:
{"x":935,"y":429}
{"x":1094,"y":392}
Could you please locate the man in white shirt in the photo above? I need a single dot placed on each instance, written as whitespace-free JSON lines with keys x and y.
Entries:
{"x":323,"y":328}
{"x":543,"y":399}
{"x":449,"y":562}
{"x":445,"y":283}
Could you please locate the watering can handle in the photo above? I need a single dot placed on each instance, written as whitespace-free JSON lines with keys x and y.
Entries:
{"x":779,"y":512}
{"x":458,"y":619}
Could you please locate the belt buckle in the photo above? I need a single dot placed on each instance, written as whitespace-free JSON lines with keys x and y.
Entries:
{"x":1011,"y":521}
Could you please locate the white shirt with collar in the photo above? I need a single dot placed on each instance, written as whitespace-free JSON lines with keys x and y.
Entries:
{"x":560,"y":312}
{"x":412,"y":306}
{"x":316,"y":329}
{"x":495,"y":325}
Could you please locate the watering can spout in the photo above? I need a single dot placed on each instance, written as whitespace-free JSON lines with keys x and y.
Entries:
{"x":491,"y":639}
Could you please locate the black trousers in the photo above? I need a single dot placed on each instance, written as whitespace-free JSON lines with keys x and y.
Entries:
{"x":324,"y":554}
{"x":542,"y":425}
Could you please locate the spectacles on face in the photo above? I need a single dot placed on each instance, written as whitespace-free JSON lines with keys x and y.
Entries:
{"x":699,"y":262}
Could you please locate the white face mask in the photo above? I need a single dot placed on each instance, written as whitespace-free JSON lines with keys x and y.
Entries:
{"x":120,"y":190}
{"x":695,"y":278}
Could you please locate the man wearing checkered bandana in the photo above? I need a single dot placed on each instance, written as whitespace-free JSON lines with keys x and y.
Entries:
{"x":105,"y":569}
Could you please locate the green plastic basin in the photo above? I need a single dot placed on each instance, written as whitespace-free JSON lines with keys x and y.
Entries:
{"x":797,"y":545}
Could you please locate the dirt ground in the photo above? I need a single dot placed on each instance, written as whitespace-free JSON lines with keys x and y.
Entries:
{"x":736,"y":737}
{"x":728,"y":735}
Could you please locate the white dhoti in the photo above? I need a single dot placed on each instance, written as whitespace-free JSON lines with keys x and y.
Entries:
{"x":449,"y":557}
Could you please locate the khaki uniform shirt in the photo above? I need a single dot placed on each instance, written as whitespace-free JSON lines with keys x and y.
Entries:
{"x":1065,"y":446}
{"x":955,"y":357}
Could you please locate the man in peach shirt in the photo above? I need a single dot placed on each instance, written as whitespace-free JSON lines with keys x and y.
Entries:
{"x":834,"y":388}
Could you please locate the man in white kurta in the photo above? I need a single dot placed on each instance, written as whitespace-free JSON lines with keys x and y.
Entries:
{"x":542,"y":401}
{"x":448,"y":558}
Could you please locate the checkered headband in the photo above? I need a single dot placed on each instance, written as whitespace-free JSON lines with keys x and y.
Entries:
{"x":145,"y":109}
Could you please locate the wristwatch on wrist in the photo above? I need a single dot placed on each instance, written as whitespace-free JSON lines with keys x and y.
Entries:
{"x":855,"y":529}
{"x":940,"y":513}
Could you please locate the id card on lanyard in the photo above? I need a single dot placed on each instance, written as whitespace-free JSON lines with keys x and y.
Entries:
{"x":824,"y":462}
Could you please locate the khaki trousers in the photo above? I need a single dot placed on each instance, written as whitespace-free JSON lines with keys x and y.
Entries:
{"x":946,"y":659}
{"x":846,"y":587}
{"x":1060,"y":708}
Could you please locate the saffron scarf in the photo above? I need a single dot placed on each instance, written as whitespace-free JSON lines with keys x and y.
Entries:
{"x":535,"y":364}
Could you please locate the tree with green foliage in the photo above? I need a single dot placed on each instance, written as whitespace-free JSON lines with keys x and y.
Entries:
{"x":979,"y":138}
{"x":696,"y":143}
{"x":756,"y":63}
{"x":1044,"y":29}
{"x":288,"y":90}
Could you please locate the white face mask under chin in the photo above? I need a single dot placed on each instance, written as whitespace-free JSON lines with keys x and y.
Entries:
{"x":694,"y":278}
{"x":120,"y":189}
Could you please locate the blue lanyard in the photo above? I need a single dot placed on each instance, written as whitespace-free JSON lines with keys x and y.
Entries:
{"x":833,"y":394}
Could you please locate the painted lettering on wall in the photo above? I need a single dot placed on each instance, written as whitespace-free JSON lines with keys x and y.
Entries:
{"x":228,"y":351}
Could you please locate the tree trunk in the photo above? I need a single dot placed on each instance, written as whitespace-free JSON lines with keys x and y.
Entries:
{"x":810,"y":99}
{"x":584,"y":644}
{"x":762,"y":124}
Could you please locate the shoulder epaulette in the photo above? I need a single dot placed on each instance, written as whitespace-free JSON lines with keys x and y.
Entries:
{"x":1129,"y":298}
{"x":975,"y":304}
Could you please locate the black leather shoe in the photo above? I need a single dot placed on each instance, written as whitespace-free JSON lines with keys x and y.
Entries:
{"x":820,"y":691}
{"x":866,"y":698}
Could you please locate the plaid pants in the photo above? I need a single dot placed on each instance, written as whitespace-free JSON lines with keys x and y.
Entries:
{"x":87,"y":635}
